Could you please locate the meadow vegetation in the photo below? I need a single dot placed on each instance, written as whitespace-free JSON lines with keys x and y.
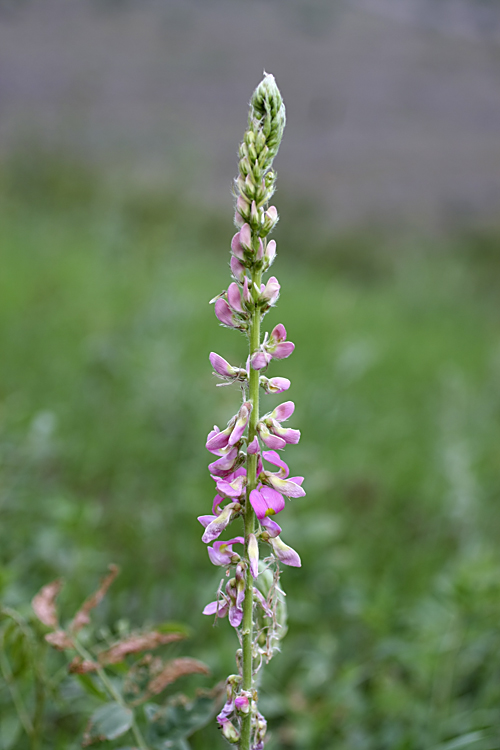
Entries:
{"x":106,"y":398}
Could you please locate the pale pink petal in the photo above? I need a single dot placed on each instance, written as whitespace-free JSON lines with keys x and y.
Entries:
{"x":272,"y":528}
{"x":285,"y":486}
{"x":246,"y":237}
{"x":283,"y":411}
{"x":276,"y":460}
{"x":283,"y":350}
{"x":253,"y":555}
{"x":237,"y":268}
{"x":259,"y":360}
{"x":234,"y":297}
{"x":221,"y":366}
{"x":258,"y":504}
{"x":224,"y":314}
{"x":278,"y":333}
{"x":284,"y":553}
{"x":236,"y":247}
{"x":270,"y":440}
{"x":253,"y":447}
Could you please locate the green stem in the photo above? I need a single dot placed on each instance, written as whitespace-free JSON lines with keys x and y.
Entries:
{"x":247,"y":624}
{"x":111,"y":690}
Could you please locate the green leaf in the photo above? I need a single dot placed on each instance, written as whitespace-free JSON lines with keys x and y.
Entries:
{"x":90,"y":687}
{"x":109,"y":722}
{"x":178,"y":719}
{"x":10,"y":728}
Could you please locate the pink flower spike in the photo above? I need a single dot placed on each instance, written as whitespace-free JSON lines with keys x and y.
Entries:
{"x":272,"y":528}
{"x":221,"y":366}
{"x":237,"y":269}
{"x":253,"y":555}
{"x":234,"y":297}
{"x":224,"y":314}
{"x":253,"y":447}
{"x":284,"y":553}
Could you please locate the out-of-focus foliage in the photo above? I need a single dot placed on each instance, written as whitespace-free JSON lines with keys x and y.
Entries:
{"x":106,"y":400}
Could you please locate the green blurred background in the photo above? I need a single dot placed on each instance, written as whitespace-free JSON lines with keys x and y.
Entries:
{"x":107,"y":393}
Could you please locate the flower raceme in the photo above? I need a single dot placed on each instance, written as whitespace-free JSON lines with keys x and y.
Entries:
{"x":247,"y":493}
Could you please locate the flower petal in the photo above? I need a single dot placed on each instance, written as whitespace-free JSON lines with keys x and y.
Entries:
{"x":284,"y":553}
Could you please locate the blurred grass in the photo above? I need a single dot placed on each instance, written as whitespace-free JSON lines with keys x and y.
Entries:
{"x":107,"y":396}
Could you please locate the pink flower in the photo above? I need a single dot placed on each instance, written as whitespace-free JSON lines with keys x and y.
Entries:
{"x":278,"y":346}
{"x":266,"y":502}
{"x":284,"y":553}
{"x":217,"y":524}
{"x":270,"y":292}
{"x":278,"y":481}
{"x":222,"y":552}
{"x":274,"y":385}
{"x":272,"y":433}
{"x":225,"y":370}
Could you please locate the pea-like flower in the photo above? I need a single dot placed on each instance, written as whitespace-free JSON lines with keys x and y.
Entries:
{"x":272,"y":433}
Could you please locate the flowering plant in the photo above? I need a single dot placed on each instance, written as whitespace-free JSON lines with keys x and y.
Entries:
{"x":252,"y":598}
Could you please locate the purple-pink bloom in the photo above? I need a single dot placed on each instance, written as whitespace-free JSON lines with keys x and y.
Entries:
{"x":226,"y":315}
{"x":217,"y":608}
{"x":260,"y":359}
{"x":222,"y":552}
{"x":217,"y":525}
{"x":241,"y":422}
{"x":272,"y":433}
{"x":277,"y":345}
{"x":226,"y":464}
{"x":278,"y":481}
{"x":234,"y":298}
{"x":284,"y":553}
{"x":231,"y":487}
{"x":222,"y":366}
{"x":242,"y":704}
{"x":237,"y":268}
{"x":253,"y":447}
{"x":271,"y":527}
{"x":266,"y":502}
{"x":269,"y":438}
{"x":274,"y":385}
{"x":270,"y":292}
{"x":245,"y":237}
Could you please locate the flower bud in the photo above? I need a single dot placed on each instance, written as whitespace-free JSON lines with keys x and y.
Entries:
{"x":242,"y":704}
{"x":253,"y":555}
{"x":270,"y":219}
{"x":237,"y":269}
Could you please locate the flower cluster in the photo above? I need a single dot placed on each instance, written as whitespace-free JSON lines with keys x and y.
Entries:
{"x":246,"y":488}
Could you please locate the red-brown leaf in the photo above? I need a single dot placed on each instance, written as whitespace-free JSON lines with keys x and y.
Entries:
{"x":44,"y":604}
{"x":59,"y":639}
{"x":82,"y":666}
{"x":173,"y":670}
{"x":134,"y":644}
{"x":82,"y":616}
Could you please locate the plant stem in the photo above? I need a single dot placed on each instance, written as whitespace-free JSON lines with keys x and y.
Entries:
{"x":111,"y":690}
{"x":247,"y":629}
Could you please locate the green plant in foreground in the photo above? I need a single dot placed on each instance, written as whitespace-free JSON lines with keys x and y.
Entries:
{"x":252,"y":598}
{"x":128,"y":691}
